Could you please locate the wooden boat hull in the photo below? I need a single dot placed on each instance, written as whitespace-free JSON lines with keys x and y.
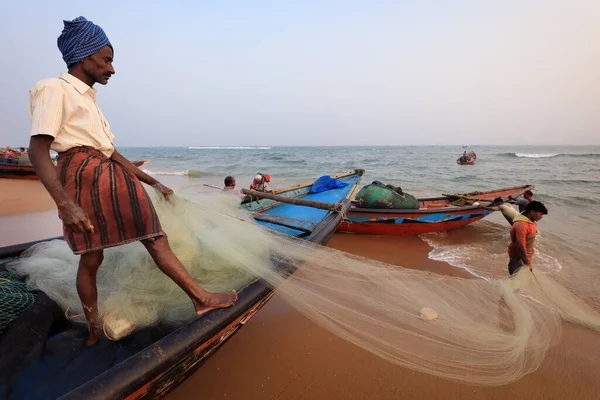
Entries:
{"x":435,"y":214}
{"x":470,"y":161}
{"x":17,"y":171}
{"x":161,"y":366}
{"x":399,"y":224}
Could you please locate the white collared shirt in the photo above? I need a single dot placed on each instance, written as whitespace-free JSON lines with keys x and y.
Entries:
{"x":65,"y":108}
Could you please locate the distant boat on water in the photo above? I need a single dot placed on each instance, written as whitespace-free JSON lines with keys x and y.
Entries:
{"x":468,"y":158}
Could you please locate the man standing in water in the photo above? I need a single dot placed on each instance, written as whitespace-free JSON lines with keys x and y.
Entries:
{"x":522,"y":236}
{"x":97,"y":191}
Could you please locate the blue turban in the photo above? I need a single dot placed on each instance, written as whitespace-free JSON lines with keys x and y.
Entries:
{"x":79,"y":39}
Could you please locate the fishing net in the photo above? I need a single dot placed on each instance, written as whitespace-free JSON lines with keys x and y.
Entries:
{"x":14,"y":298}
{"x":476,"y":331}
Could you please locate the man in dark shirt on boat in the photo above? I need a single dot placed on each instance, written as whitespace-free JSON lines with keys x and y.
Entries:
{"x":98,"y":192}
{"x":522,"y":203}
{"x":522,"y":236}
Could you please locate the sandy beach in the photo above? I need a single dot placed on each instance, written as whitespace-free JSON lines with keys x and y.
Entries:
{"x":280,"y":354}
{"x":23,"y":197}
{"x":28,"y":212}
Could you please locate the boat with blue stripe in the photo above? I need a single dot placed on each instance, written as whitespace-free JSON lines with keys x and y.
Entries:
{"x":301,"y":220}
{"x":434,"y":214}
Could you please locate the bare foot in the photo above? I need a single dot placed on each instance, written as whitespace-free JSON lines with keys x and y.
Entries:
{"x":214,"y":301}
{"x":94,"y":333}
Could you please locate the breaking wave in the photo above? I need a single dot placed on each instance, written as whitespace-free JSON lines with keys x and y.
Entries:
{"x":535,"y":155}
{"x":193,"y":173}
{"x":547,"y":155}
{"x":229,"y":148}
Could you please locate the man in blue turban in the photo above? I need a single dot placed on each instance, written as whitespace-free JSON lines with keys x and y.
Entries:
{"x":80,"y":39}
{"x":97,"y":191}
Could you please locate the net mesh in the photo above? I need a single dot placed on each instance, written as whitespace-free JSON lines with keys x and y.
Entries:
{"x":14,"y":298}
{"x":485,"y":332}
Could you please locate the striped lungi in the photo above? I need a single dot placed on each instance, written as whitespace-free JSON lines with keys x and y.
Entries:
{"x":117,"y":204}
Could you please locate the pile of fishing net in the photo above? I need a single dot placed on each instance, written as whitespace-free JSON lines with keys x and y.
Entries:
{"x":471,"y":330}
{"x":14,"y":298}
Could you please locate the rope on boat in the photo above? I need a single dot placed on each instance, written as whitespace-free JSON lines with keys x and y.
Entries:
{"x":463,"y":197}
{"x":72,"y":317}
{"x":459,"y":202}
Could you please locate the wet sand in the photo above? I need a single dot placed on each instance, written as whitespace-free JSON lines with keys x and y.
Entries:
{"x":280,"y":354}
{"x":27,"y":213}
{"x":24,"y":196}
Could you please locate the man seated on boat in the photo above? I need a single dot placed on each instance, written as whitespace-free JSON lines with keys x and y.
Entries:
{"x":522,"y":203}
{"x":98,"y":192}
{"x":259,"y":183}
{"x":8,"y":152}
{"x":522,"y":236}
{"x":465,"y":158}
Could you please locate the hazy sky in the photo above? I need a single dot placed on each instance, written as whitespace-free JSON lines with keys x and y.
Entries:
{"x":202,"y":73}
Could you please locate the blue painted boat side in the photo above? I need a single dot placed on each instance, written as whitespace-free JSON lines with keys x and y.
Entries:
{"x":431,"y":218}
{"x":301,"y":213}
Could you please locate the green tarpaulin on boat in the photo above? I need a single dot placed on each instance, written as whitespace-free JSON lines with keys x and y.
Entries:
{"x":378,"y":195}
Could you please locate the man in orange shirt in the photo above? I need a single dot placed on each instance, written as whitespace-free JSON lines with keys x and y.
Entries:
{"x":522,"y":236}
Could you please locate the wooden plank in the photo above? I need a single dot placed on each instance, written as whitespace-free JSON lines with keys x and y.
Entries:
{"x":298,"y":202}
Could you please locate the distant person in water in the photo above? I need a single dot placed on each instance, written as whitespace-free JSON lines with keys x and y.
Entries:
{"x":522,"y":203}
{"x":98,"y":192}
{"x":522,"y":236}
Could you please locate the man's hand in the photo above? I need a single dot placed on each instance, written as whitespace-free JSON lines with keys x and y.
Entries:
{"x":165,"y":191}
{"x":74,"y":218}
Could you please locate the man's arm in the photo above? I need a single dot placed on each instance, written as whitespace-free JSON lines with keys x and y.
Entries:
{"x":141,"y":175}
{"x":519,"y":202}
{"x":72,"y":215}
